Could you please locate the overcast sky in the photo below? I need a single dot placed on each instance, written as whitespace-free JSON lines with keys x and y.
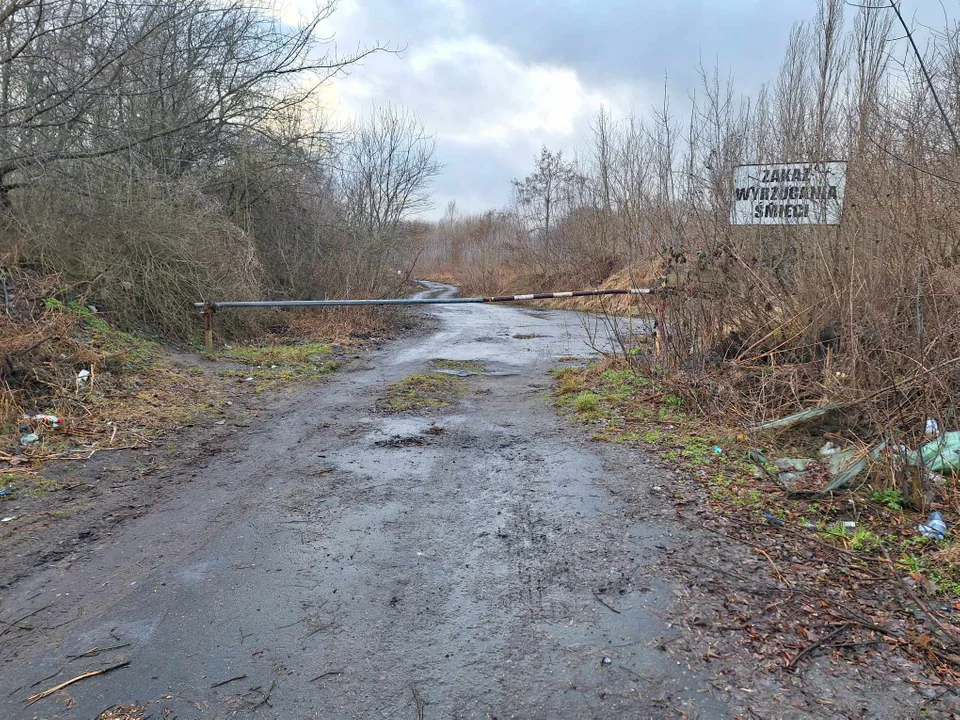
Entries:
{"x":496,"y":79}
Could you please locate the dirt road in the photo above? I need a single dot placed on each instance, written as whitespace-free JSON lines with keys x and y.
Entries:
{"x":338,"y":562}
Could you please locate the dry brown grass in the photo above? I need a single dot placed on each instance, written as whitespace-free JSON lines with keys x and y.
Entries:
{"x":337,"y":325}
{"x":130,"y":390}
{"x":133,"y":389}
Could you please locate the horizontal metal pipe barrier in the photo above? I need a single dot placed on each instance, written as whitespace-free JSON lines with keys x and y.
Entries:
{"x":418,"y":301}
{"x":209,"y":308}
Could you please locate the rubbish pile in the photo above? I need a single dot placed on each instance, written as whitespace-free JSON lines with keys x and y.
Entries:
{"x":834,"y":468}
{"x":42,"y":420}
{"x":939,"y":457}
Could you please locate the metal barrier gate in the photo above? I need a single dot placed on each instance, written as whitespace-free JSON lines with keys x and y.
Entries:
{"x":209,"y":308}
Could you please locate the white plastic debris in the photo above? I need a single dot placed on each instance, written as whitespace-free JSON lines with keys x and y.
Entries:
{"x":936,"y":527}
{"x":932,"y":428}
{"x":54,"y":420}
{"x":8,"y":519}
{"x":83,"y":376}
{"x":249,"y":379}
{"x":29,"y":439}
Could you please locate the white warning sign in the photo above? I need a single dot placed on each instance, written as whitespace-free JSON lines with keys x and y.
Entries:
{"x":788,"y":194}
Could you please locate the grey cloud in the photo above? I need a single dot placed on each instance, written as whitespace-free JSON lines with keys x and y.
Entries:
{"x":616,"y":48}
{"x":630,"y":40}
{"x":609,"y":40}
{"x":477,"y":177}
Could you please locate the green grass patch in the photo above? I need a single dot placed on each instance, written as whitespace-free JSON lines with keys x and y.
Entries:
{"x":428,"y":391}
{"x":672,"y":402}
{"x":270,"y":366}
{"x":289,"y":355}
{"x":586,"y":402}
{"x":125,"y":350}
{"x":28,"y":484}
{"x":474,"y":366}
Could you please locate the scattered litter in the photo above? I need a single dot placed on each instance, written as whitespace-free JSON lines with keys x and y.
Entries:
{"x":797,"y":418}
{"x":29,"y":439}
{"x":83,"y":376}
{"x":229,"y":402}
{"x":249,"y":379}
{"x":274,"y":367}
{"x":847,"y":525}
{"x":846,"y":465}
{"x":220,"y":422}
{"x":829,"y":449}
{"x":7,"y":491}
{"x":932,"y":428}
{"x":9,"y":519}
{"x":936,"y":527}
{"x":940,"y":455}
{"x":798,"y":464}
{"x":790,"y":471}
{"x":842,"y":465}
{"x":771,"y":520}
{"x":717,"y":449}
{"x":607,"y":661}
{"x":54,"y":420}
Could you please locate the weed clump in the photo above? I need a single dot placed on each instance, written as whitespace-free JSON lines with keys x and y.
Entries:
{"x":472,"y":366}
{"x":428,"y":391}
{"x":586,"y":402}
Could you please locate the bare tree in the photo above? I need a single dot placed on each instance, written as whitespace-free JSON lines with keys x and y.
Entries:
{"x":386,"y":168}
{"x":543,"y":198}
{"x":114,"y":113}
{"x":80,"y":81}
